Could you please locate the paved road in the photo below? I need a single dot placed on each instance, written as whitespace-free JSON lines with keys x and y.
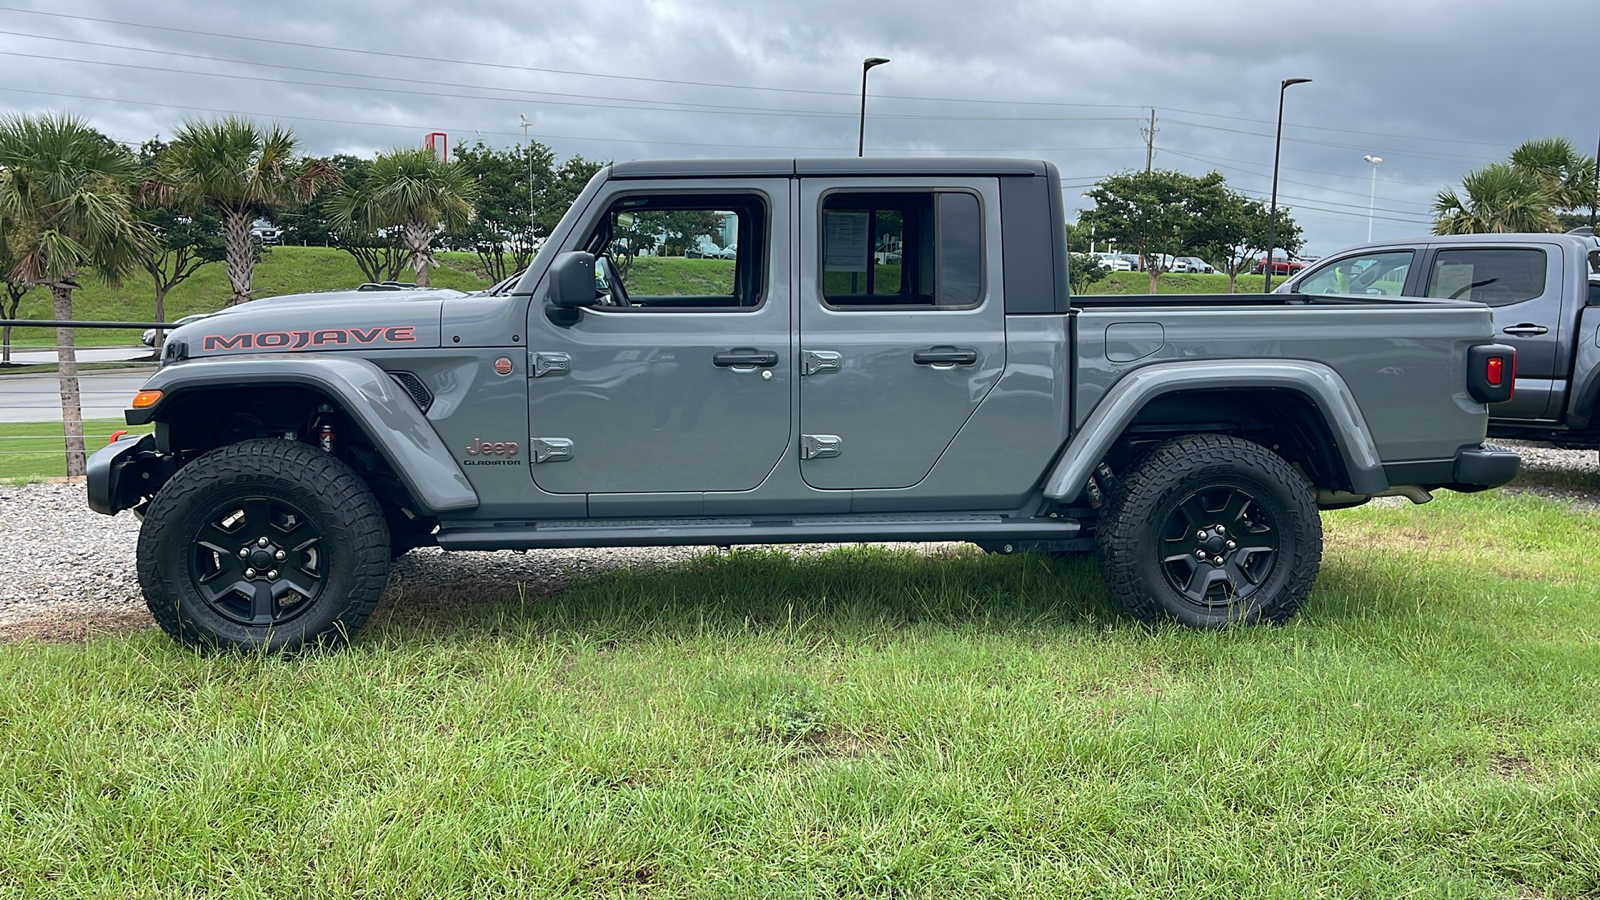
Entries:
{"x":37,"y":398}
{"x":101,"y":354}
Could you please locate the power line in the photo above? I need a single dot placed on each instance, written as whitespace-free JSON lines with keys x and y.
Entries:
{"x":1289,"y":181}
{"x":1389,"y":150}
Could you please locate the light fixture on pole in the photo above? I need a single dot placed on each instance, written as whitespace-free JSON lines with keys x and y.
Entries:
{"x":1272,"y":216}
{"x":1372,"y":196}
{"x":525,"y":126}
{"x":861,"y":135}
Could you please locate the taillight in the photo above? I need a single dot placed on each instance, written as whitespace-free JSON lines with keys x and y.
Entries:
{"x":1491,"y":372}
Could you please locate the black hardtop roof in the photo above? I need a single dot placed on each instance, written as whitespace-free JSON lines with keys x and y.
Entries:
{"x":842,"y":167}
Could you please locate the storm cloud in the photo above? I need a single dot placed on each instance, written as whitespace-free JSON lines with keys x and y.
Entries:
{"x":1434,"y":88}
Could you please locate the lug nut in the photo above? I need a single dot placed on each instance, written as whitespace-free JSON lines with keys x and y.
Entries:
{"x":1221,"y":530}
{"x":1218,"y":560}
{"x":272,"y":573}
{"x":1200,"y":553}
{"x":1201,"y":535}
{"x":244,"y":552}
{"x":282,"y":555}
{"x":1231,"y":545}
{"x":262,"y":542}
{"x":249,"y":573}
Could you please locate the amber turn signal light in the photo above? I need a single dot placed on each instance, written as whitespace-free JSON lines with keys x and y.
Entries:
{"x":145,"y":399}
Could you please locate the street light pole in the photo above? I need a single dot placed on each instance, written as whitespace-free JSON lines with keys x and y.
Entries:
{"x":861,"y":135}
{"x":1372,"y":196}
{"x":525,"y":126}
{"x":1272,"y":217}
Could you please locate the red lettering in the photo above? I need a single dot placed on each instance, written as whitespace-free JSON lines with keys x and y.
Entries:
{"x":400,"y":334}
{"x":218,"y":342}
{"x":366,"y":336}
{"x":300,"y":339}
{"x":330,"y":336}
{"x":273,"y":339}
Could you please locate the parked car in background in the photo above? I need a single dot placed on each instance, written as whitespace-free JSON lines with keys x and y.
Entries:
{"x":265,"y":232}
{"x":1114,"y":262}
{"x":1280,"y":266}
{"x":1542,"y":290}
{"x":149,"y":337}
{"x":1192,"y":265}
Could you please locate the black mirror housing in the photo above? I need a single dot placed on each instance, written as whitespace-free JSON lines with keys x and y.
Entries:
{"x":572,"y":280}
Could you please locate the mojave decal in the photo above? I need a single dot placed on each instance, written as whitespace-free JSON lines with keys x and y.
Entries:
{"x":322,"y":337}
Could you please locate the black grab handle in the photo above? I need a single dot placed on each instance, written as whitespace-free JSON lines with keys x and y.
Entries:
{"x":944,"y":356}
{"x":745,"y":356}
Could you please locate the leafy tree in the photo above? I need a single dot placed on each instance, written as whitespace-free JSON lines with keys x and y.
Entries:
{"x":242,"y":172}
{"x":661,"y":232}
{"x":1538,"y":188}
{"x":1499,"y":198}
{"x":179,"y":245}
{"x":1083,"y":270}
{"x":509,"y":221}
{"x":413,"y":191}
{"x":304,"y":222}
{"x":15,"y":291}
{"x":1567,"y":174}
{"x":1234,"y":231}
{"x":66,"y":208}
{"x":1158,"y":213}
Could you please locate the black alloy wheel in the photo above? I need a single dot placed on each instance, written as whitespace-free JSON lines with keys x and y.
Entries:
{"x":1211,"y":530}
{"x":258,"y":560}
{"x":265,"y":544}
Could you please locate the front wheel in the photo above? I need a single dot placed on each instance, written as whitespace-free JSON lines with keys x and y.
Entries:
{"x":263,"y":544}
{"x":1211,"y":530}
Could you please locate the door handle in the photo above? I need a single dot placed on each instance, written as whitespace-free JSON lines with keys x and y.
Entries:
{"x":745,"y":357}
{"x":945,"y":356}
{"x":1526,"y":329}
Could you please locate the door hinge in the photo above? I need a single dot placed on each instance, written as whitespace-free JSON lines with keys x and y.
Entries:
{"x":818,"y":446}
{"x":551,"y":449}
{"x":819,"y":361}
{"x":541,"y":363}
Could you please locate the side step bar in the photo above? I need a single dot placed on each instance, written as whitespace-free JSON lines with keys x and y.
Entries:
{"x":765,"y":530}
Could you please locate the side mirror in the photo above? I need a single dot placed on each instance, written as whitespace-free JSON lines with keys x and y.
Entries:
{"x":572,"y":280}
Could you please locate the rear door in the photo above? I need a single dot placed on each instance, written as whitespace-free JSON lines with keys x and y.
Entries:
{"x":902,"y":323}
{"x":1523,"y":286}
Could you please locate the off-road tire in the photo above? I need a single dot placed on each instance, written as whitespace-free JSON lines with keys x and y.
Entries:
{"x":334,"y":539}
{"x":1226,"y":481}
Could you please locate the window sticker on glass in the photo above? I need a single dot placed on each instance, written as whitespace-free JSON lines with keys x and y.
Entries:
{"x":845,"y":237}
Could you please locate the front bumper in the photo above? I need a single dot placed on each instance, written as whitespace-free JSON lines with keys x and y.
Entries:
{"x":1482,"y":468}
{"x":122,"y":475}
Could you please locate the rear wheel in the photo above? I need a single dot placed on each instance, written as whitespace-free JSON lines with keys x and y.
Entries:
{"x":263,"y":544}
{"x":1211,"y":530}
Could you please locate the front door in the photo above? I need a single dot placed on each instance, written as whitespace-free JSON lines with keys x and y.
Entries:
{"x":902,"y":324}
{"x":680,"y":378}
{"x":1522,"y":285}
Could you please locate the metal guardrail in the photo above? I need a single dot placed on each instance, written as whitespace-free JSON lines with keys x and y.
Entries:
{"x":59,"y":323}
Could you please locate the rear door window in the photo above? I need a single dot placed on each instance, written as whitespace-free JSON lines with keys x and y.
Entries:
{"x":1496,"y":276}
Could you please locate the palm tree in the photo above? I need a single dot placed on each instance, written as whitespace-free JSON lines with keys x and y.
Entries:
{"x":242,"y":172}
{"x":1499,"y":197}
{"x":1567,"y":174}
{"x":65,"y":209}
{"x":414,"y":191}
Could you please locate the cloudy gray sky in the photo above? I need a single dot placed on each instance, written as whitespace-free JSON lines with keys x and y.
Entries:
{"x":1434,"y":87}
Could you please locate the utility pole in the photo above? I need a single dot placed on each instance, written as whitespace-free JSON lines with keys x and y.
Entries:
{"x":1596,"y":200}
{"x":525,"y":126}
{"x":1150,"y":141}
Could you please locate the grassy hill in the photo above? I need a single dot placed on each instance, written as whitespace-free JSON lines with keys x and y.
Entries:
{"x":283,"y":270}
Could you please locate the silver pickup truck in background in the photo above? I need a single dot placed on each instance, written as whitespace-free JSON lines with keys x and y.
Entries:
{"x":891,"y":354}
{"x":1544,"y":292}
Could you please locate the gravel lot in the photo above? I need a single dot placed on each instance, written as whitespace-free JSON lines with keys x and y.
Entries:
{"x":69,"y":572}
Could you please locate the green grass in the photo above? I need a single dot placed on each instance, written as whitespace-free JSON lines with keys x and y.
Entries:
{"x":31,"y":451}
{"x":284,"y":270}
{"x":1177,"y":283}
{"x":670,"y":276}
{"x":861,"y":723}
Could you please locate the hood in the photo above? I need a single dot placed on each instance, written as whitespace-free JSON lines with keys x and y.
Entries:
{"x":322,"y":322}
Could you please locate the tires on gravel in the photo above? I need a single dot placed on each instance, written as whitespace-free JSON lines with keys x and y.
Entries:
{"x":1210,"y":530}
{"x":268,"y":544}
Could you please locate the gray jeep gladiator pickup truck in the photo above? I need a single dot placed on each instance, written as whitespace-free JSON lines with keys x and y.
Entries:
{"x":891,"y":354}
{"x":1544,"y":291}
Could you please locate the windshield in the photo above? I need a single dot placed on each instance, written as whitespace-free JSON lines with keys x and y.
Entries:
{"x":504,"y":286}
